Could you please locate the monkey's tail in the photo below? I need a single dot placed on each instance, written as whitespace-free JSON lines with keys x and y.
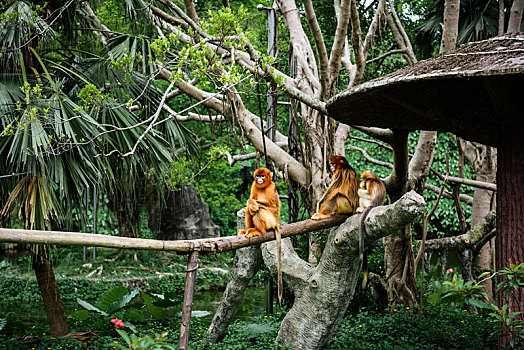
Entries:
{"x":279,"y":258}
{"x":361,"y":249}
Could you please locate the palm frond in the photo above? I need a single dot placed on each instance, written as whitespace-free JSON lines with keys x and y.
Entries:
{"x":20,"y":28}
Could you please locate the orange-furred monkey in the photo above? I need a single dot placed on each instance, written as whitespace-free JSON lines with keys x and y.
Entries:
{"x":372,"y":193}
{"x":341,"y":196}
{"x":263,"y":213}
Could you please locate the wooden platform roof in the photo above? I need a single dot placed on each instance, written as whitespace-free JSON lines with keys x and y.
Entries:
{"x":468,"y":91}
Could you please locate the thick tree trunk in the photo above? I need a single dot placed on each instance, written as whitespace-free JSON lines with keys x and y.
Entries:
{"x":322,"y":293}
{"x":49,"y":290}
{"x":246,"y":264}
{"x":450,"y":27}
{"x":515,"y":16}
{"x":484,"y":161}
{"x":510,"y":208}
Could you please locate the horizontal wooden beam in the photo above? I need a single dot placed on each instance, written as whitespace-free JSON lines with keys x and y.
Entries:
{"x":207,"y":245}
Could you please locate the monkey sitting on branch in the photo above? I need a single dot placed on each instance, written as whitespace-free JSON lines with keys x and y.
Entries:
{"x":372,"y":193}
{"x":341,"y":196}
{"x":263,"y":213}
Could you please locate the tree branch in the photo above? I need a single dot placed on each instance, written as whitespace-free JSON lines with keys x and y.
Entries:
{"x":356,"y":40}
{"x":384,"y":135}
{"x":389,"y":53}
{"x":339,"y":42}
{"x":371,"y":159}
{"x":473,"y":183}
{"x":368,"y":41}
{"x":320,"y":45}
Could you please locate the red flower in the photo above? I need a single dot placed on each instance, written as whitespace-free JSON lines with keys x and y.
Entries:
{"x":118,"y":323}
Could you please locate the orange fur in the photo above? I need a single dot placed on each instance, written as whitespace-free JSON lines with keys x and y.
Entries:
{"x":263,"y":205}
{"x":263,"y":213}
{"x":341,"y":196}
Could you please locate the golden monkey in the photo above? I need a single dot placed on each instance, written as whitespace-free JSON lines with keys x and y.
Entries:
{"x":372,"y":193}
{"x":341,"y":196}
{"x":263,"y":213}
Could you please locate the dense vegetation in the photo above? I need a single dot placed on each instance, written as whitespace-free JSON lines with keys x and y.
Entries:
{"x":72,"y":105}
{"x":440,"y":326}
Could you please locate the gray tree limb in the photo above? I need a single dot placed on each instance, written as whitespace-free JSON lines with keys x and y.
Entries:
{"x":322,"y":293}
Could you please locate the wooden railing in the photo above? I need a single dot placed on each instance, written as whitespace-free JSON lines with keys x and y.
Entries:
{"x":192,"y":247}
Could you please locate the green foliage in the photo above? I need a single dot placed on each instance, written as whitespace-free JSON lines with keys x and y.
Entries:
{"x":259,"y":333}
{"x":461,"y":292}
{"x":221,"y":188}
{"x":156,"y":342}
{"x":512,"y":278}
{"x":179,"y":173}
{"x":438,"y":328}
{"x":457,"y":292}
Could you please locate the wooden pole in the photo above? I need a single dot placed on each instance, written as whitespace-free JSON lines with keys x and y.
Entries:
{"x":189,"y":292}
{"x":206,"y":245}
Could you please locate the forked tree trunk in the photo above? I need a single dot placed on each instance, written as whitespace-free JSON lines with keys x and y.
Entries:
{"x":323,"y":293}
{"x":49,"y":291}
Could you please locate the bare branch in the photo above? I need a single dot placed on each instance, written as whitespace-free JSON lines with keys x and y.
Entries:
{"x":339,"y":42}
{"x":399,"y":34}
{"x":324,"y":74}
{"x":356,"y":40}
{"x":389,"y":53}
{"x":153,"y":120}
{"x":167,"y":17}
{"x":463,"y":197}
{"x":371,"y":159}
{"x":472,"y":183}
{"x":104,"y":32}
{"x":193,"y":116}
{"x":384,"y":135}
{"x":379,"y":13}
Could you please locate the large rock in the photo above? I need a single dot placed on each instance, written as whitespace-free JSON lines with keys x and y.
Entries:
{"x":185,"y":216}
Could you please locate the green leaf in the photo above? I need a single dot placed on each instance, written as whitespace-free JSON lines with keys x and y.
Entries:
{"x":120,"y":303}
{"x":157,"y":313}
{"x":3,"y":322}
{"x":134,"y":316}
{"x":480,"y":304}
{"x":124,"y":336}
{"x":112,"y":296}
{"x":90,"y":307}
{"x":80,"y":315}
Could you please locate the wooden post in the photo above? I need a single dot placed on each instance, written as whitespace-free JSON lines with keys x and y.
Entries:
{"x":189,"y":292}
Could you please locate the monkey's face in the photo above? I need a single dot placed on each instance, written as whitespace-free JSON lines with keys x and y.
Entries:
{"x":262,"y":177}
{"x":337,"y":163}
{"x":363,"y":184}
{"x":368,"y":174}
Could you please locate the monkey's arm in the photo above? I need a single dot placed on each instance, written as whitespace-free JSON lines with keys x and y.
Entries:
{"x":362,"y":193}
{"x":252,"y":206}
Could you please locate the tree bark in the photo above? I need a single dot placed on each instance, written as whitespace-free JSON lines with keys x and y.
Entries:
{"x":245,"y":266}
{"x":450,"y":27}
{"x":515,"y":16}
{"x":484,"y":161}
{"x":510,"y":213}
{"x":462,"y":245}
{"x":502,"y":20}
{"x":49,"y":290}
{"x":322,"y":293}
